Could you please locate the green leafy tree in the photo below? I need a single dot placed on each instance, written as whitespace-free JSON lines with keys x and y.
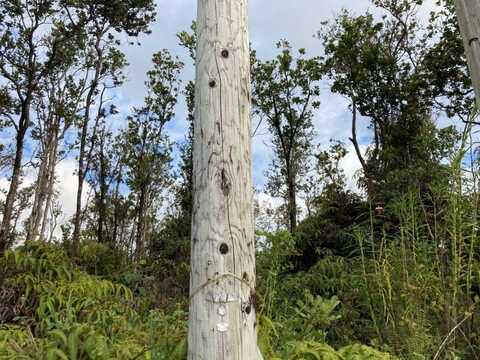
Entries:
{"x":183,"y":190}
{"x":173,"y":239}
{"x":326,"y":173}
{"x":37,"y":38}
{"x":103,"y":71}
{"x":391,"y":77}
{"x":445,"y":63}
{"x":32,"y":35}
{"x":285,"y":93}
{"x":333,"y":210}
{"x":104,"y":172}
{"x":147,"y":148}
{"x":56,"y":107}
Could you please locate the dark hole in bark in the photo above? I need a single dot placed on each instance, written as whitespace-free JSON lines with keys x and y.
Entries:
{"x":225,"y":183}
{"x":225,"y":53}
{"x":248,"y":309}
{"x":223,"y":248}
{"x":245,"y":276}
{"x":212,"y":83}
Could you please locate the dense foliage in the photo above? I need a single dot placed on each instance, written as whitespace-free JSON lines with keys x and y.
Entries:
{"x":386,"y":268}
{"x":53,"y":310}
{"x":402,"y":288}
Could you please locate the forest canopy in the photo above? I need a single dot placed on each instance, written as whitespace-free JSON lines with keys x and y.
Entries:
{"x":376,"y":261}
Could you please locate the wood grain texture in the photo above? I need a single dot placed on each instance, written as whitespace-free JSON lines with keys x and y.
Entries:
{"x":222,"y":322}
{"x":468,"y":12}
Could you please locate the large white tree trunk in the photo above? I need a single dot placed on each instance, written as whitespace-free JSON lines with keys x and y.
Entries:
{"x":468,"y":12}
{"x":222,"y":322}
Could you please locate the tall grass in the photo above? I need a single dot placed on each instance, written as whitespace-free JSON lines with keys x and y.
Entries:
{"x":421,"y":280}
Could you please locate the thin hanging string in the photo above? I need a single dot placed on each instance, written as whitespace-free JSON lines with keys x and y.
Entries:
{"x":217,"y":278}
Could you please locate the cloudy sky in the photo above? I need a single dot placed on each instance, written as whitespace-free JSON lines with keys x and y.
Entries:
{"x":270,"y":21}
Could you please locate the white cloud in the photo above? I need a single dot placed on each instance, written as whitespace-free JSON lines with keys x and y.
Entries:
{"x":266,"y":200}
{"x":351,"y":165}
{"x":66,"y":187}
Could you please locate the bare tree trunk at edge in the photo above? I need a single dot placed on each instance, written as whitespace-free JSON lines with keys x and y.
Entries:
{"x":468,"y":12}
{"x":222,"y":322}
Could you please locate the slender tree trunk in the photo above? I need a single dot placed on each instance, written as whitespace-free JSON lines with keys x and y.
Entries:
{"x":103,"y":191}
{"x":39,"y":187}
{"x":78,"y":211}
{"x":49,"y":159}
{"x":123,"y":233}
{"x":222,"y":322}
{"x":141,"y":214}
{"x":292,"y":200}
{"x":358,"y":151}
{"x":131,"y":240}
{"x":101,"y":217}
{"x":354,"y":139}
{"x":468,"y":12}
{"x":5,"y":228}
{"x":116,"y":206}
{"x":50,"y":189}
{"x":82,"y":160}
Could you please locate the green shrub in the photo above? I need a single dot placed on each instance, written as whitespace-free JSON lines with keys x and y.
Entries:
{"x":80,"y":316}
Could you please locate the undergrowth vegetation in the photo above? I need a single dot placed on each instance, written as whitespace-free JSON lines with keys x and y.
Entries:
{"x":405,"y":280}
{"x":409,"y":287}
{"x":402,"y":283}
{"x":54,"y":310}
